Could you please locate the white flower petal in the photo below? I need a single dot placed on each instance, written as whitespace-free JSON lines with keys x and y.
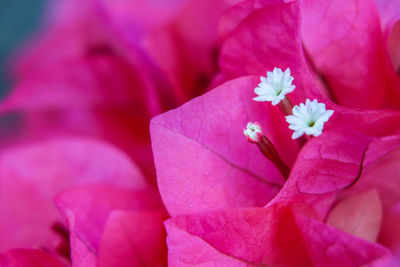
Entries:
{"x":291,"y":88}
{"x":263,"y":79}
{"x":297,"y":134}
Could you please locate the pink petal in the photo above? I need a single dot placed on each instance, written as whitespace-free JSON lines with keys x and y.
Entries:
{"x":250,"y":32}
{"x":330,"y":163}
{"x":93,"y":96}
{"x":359,"y":215}
{"x":135,"y":18}
{"x":393,"y":46}
{"x":346,"y":45}
{"x":340,"y":160}
{"x":203,"y":160}
{"x":327,"y":246}
{"x":324,"y":166}
{"x":125,"y":128}
{"x":34,"y":174}
{"x":380,"y":170}
{"x":133,"y":238}
{"x":389,"y":11}
{"x":76,"y":51}
{"x":89,"y":82}
{"x":28,"y":258}
{"x":81,"y":254}
{"x":263,"y":35}
{"x":369,"y":122}
{"x":184,"y":249}
{"x":256,"y":236}
{"x":89,"y":208}
{"x":173,"y":35}
{"x":84,"y":83}
{"x":380,"y":174}
{"x":389,"y":235}
{"x":234,"y":15}
{"x":265,"y":236}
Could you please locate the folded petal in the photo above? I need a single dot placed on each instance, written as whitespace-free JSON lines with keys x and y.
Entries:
{"x":89,"y":207}
{"x":330,"y":163}
{"x":81,"y":254}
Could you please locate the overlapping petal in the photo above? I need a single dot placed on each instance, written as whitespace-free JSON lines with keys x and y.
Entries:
{"x":134,"y":238}
{"x":265,"y":236}
{"x":32,"y":175}
{"x":107,"y":223}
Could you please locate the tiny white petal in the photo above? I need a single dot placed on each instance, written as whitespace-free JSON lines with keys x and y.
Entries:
{"x":253,"y":132}
{"x":310,"y":131}
{"x":263,"y":79}
{"x":275,"y":86}
{"x":308,"y":118}
{"x":297,"y":134}
{"x":259,"y":98}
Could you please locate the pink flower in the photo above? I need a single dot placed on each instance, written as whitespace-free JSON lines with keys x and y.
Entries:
{"x":95,"y":75}
{"x":204,"y":164}
{"x":102,"y":68}
{"x":231,"y":206}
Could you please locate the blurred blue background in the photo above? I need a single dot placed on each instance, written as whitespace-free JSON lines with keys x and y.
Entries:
{"x":18,"y":21}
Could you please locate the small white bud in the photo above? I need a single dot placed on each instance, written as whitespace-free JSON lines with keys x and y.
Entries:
{"x":308,"y":118}
{"x":275,"y":86}
{"x":253,"y":132}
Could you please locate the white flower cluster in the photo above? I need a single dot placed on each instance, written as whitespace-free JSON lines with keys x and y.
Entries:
{"x":308,"y":118}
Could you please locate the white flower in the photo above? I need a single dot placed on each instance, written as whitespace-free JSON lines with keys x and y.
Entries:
{"x":308,"y":118}
{"x":275,"y":86}
{"x":253,"y":132}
